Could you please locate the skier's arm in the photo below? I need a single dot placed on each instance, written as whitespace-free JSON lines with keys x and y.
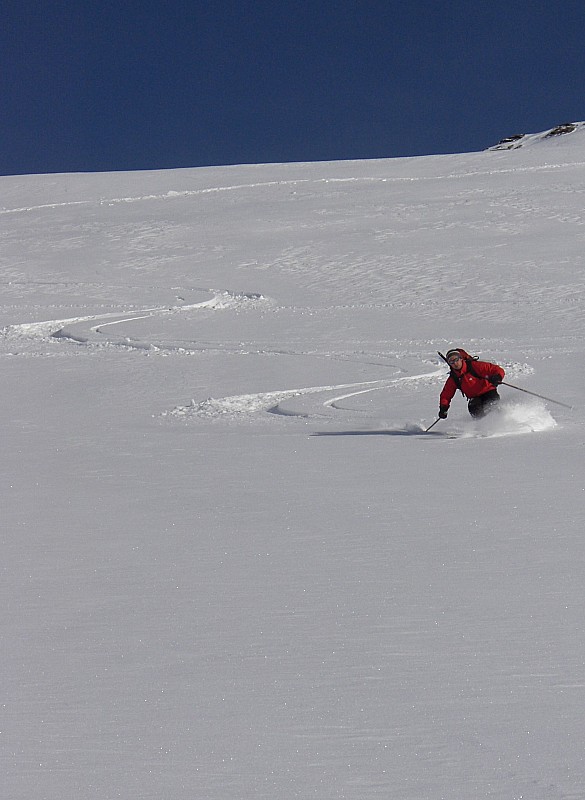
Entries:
{"x":492,"y":372}
{"x":447,"y":394}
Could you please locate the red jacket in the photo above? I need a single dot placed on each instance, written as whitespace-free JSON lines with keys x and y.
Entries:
{"x":470,"y":385}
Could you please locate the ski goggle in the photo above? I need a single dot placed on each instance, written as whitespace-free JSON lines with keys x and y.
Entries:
{"x":453,"y":359}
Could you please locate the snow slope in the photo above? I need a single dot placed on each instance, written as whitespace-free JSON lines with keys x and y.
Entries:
{"x":233,"y":567}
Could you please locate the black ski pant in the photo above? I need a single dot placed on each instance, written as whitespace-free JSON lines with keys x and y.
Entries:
{"x":480,"y":406}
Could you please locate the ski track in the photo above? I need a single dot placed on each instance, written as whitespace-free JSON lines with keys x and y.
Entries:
{"x":185,"y":193}
{"x":75,"y":329}
{"x":301,"y":402}
{"x":278,"y":402}
{"x":513,"y":418}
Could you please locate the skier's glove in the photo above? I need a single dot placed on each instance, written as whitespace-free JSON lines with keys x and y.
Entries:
{"x":495,"y":380}
{"x":443,"y":412}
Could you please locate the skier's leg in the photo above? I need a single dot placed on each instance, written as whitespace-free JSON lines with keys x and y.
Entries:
{"x":480,"y":406}
{"x":475,"y":407}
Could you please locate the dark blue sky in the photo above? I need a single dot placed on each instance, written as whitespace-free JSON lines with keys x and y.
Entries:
{"x":143,"y":84}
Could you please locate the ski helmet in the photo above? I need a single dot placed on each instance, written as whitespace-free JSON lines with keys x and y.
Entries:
{"x":455,"y":351}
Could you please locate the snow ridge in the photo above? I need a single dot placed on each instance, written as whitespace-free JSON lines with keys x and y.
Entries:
{"x":529,"y":139}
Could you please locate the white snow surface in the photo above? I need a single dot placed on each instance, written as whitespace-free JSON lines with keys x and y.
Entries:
{"x":233,"y":565}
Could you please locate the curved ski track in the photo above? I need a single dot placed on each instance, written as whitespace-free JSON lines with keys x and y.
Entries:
{"x":76,"y":329}
{"x":98,"y":331}
{"x":291,"y":402}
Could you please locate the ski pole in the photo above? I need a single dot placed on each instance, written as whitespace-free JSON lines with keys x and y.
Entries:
{"x":433,"y":425}
{"x":534,"y":394}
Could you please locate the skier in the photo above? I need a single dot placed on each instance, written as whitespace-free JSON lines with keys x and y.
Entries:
{"x":477,"y":380}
